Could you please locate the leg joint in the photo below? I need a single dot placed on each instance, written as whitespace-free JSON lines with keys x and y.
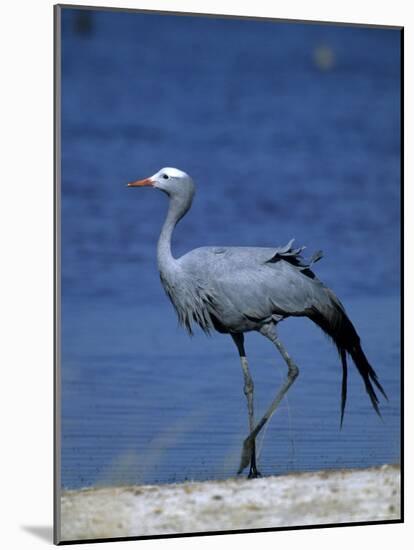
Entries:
{"x":293,"y":371}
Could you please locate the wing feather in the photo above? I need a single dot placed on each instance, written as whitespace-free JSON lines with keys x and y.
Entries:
{"x":255,"y":283}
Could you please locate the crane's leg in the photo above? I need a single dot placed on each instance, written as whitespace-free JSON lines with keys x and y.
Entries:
{"x":248,"y":392}
{"x":293,"y":371}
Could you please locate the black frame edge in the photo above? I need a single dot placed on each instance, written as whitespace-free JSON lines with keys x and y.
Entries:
{"x":233,"y":532}
{"x":402,"y":279}
{"x":56,"y":272}
{"x":229,"y":16}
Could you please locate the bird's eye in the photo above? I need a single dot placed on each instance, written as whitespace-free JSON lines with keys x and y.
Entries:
{"x":165,"y":176}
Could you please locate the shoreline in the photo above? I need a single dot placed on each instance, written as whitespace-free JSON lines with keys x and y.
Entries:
{"x":296,"y":499}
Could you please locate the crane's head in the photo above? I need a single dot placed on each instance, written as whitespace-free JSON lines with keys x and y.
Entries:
{"x":176,"y":183}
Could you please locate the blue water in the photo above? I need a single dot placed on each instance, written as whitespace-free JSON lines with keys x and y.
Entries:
{"x":289,"y":130}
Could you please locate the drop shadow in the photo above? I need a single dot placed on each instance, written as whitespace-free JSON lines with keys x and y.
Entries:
{"x":44,"y":532}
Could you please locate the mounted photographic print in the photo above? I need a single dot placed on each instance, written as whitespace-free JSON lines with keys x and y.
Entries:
{"x":228,"y":274}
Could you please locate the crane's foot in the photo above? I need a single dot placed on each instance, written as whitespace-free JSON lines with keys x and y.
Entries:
{"x":247,"y":453}
{"x":254,"y":473}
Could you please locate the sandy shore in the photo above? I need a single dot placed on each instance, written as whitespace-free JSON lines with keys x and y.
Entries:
{"x":324,"y":497}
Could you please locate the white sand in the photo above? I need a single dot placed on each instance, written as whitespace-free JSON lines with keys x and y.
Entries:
{"x":331,"y":496}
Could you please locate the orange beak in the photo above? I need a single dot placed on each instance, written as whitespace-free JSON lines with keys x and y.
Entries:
{"x":141,"y":183}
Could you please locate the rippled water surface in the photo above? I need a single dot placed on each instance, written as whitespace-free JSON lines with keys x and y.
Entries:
{"x":289,"y":130}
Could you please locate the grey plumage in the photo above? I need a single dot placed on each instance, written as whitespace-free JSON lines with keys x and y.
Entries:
{"x":239,"y":289}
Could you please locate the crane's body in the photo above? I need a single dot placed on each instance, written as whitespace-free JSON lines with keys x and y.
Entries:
{"x":239,"y":289}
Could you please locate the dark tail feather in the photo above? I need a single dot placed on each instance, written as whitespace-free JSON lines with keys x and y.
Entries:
{"x":368,"y":374}
{"x":344,"y":383}
{"x":339,"y":327}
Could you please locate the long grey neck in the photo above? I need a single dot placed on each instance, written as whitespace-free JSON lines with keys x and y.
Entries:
{"x":176,"y":210}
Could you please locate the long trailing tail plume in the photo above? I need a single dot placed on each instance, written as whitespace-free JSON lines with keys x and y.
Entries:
{"x":336,"y":324}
